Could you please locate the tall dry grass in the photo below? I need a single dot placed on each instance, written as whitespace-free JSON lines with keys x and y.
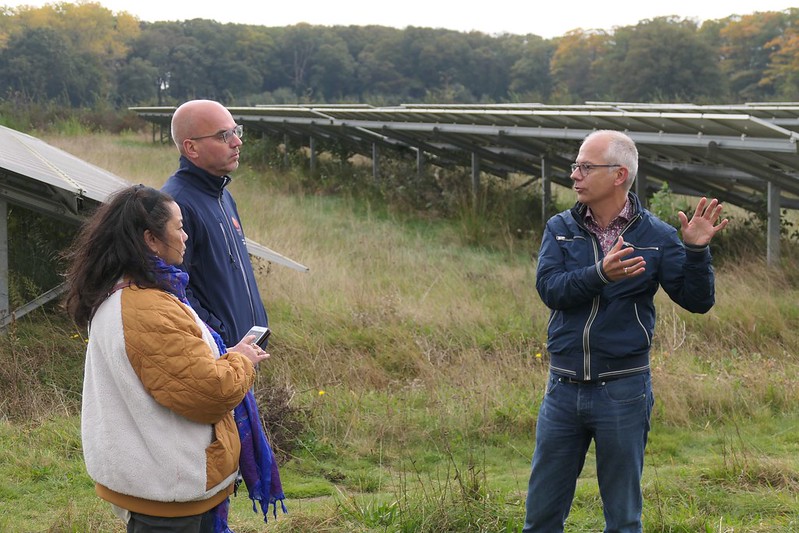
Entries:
{"x":389,"y":304}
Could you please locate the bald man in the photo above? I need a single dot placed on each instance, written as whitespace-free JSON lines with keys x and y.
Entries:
{"x":222,"y":287}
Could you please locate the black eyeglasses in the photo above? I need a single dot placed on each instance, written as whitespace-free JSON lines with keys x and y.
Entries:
{"x":585,"y":168}
{"x":224,"y":136}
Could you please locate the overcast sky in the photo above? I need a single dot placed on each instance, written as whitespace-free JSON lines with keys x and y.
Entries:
{"x":545,"y":18}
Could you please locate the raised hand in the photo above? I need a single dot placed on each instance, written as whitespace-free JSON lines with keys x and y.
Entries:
{"x":702,"y":227}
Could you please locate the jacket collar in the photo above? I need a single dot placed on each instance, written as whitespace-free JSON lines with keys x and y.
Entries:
{"x":202,"y":179}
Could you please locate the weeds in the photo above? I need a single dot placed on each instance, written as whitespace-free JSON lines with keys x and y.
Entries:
{"x":453,"y":498}
{"x":742,"y":468}
{"x":40,"y":369}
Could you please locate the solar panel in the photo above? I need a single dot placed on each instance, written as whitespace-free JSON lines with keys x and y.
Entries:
{"x":49,"y":180}
{"x":45,"y":179}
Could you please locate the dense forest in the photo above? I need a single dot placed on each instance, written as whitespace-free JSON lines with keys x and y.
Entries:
{"x":86,"y":56}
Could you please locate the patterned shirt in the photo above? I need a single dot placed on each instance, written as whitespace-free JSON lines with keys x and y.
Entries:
{"x":608,"y":236}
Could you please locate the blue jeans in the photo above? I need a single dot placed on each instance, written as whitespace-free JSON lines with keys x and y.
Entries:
{"x":615,"y":414}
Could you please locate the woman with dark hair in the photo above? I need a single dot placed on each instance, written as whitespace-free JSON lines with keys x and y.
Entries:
{"x":158,"y":431}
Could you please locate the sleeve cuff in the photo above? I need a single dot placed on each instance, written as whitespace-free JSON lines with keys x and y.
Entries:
{"x":601,"y":272}
{"x":696,"y":247}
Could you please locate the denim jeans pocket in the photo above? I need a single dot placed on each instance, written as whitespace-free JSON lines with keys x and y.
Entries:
{"x":627,"y":390}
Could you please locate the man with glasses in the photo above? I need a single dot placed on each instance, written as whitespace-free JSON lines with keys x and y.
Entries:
{"x":599,"y":266}
{"x":222,"y":287}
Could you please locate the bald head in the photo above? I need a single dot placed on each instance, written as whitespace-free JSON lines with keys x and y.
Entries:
{"x":205,"y":133}
{"x":195,"y":118}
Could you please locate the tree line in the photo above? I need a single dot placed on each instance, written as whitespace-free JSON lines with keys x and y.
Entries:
{"x":84,"y":55}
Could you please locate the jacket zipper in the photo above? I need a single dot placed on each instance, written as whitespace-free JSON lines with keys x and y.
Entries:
{"x":235,"y":246}
{"x":590,"y":321}
{"x":227,"y":242}
{"x":595,"y":303}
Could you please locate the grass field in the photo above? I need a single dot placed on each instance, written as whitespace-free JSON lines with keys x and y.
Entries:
{"x":407,"y":368}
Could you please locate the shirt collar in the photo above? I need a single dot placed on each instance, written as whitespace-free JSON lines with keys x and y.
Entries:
{"x":625,"y":214}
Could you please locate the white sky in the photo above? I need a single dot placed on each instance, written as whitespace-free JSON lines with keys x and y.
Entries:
{"x":548,"y":18}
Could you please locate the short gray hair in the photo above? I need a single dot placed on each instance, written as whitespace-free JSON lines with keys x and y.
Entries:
{"x":621,"y":150}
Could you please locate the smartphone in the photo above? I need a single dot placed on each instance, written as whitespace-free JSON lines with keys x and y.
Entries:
{"x":261,"y":335}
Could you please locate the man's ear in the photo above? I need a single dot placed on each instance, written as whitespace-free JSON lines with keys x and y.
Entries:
{"x":190,"y":149}
{"x":621,"y":176}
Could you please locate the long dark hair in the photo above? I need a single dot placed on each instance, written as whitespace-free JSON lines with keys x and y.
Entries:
{"x":110,"y":245}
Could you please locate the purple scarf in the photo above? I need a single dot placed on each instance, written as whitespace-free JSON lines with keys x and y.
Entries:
{"x":257,"y":464}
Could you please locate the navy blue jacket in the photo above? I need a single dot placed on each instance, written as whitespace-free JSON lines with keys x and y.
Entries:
{"x":222,"y":287}
{"x":600,"y":329}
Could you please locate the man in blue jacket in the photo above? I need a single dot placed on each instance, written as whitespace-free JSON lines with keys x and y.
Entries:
{"x":599,"y":266}
{"x":222,"y":287}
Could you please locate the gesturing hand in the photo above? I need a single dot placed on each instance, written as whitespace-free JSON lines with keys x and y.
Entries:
{"x":701,"y":229}
{"x":618,"y":265}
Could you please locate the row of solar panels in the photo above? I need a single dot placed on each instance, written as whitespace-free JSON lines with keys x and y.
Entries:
{"x":732,"y":151}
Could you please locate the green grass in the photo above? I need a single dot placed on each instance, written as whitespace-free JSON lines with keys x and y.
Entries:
{"x":695,"y":479}
{"x":406,"y":374}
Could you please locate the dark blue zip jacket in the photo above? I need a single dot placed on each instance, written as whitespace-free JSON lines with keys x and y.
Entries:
{"x":222,"y":287}
{"x":600,"y":329}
